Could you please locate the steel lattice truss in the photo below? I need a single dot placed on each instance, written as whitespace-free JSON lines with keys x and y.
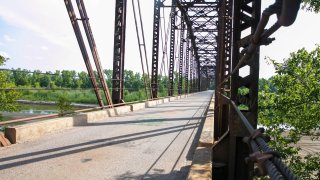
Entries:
{"x":204,"y":18}
{"x":208,"y":39}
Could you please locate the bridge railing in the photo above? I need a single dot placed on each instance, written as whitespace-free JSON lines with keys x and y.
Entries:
{"x":268,"y":161}
{"x":43,"y":117}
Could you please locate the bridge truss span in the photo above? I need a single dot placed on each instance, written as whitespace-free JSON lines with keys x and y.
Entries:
{"x":209,"y":42}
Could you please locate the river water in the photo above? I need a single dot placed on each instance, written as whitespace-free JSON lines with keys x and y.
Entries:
{"x":30,"y":110}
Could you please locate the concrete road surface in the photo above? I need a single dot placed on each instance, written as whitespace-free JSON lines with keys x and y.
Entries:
{"x":154,"y":143}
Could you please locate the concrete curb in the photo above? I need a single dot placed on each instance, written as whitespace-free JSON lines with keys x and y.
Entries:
{"x":26,"y":132}
{"x":201,"y":167}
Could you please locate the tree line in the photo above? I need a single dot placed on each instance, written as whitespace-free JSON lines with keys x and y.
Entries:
{"x":133,"y":81}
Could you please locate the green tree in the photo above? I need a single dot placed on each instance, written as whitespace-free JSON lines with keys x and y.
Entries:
{"x":64,"y":105}
{"x":313,"y":5}
{"x":68,"y":78}
{"x":108,"y":73}
{"x":21,"y":77}
{"x":45,"y":79}
{"x":35,"y":79}
{"x":57,"y":78}
{"x":7,"y":97}
{"x":83,"y":76}
{"x":291,"y":109}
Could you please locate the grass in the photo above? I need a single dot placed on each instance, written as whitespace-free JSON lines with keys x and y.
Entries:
{"x":5,"y":118}
{"x":81,"y":96}
{"x":76,"y":96}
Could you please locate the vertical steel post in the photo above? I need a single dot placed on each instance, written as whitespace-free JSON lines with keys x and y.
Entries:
{"x":246,"y":17}
{"x":187,"y":64}
{"x":199,"y":76}
{"x":119,"y":51}
{"x":191,"y":70}
{"x":181,"y":56}
{"x":223,"y":68}
{"x":172,"y":49}
{"x":155,"y":48}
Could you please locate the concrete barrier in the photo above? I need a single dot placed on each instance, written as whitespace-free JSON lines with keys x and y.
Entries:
{"x":165,"y":100}
{"x":119,"y":110}
{"x":95,"y":116}
{"x":151,"y":103}
{"x":138,"y":106}
{"x":206,"y":137}
{"x":25,"y":132}
{"x":159,"y":101}
{"x":21,"y":133}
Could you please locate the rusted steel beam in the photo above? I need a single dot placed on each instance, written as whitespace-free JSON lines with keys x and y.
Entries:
{"x":119,"y":51}
{"x":223,"y":67}
{"x":246,"y":18}
{"x":83,"y":49}
{"x":172,"y":50}
{"x":94,"y":50}
{"x":181,"y":56}
{"x":187,"y":64}
{"x":155,"y":48}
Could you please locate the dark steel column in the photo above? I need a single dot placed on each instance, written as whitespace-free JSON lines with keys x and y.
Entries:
{"x":119,"y":51}
{"x":181,"y":57}
{"x":191,"y":71}
{"x":199,"y":76}
{"x":172,"y":50}
{"x":246,"y":17}
{"x":187,"y":64}
{"x":223,"y":68}
{"x":155,"y":49}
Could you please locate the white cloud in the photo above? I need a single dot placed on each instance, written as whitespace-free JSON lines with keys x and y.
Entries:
{"x":8,"y":38}
{"x":1,"y":43}
{"x":45,"y":48}
{"x":25,"y":21}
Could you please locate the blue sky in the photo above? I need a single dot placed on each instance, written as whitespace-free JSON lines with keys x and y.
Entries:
{"x":37,"y":34}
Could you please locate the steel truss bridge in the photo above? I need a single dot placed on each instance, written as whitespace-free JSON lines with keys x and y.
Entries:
{"x":208,"y":42}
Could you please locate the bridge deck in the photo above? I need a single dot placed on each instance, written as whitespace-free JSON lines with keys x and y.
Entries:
{"x":153,"y":143}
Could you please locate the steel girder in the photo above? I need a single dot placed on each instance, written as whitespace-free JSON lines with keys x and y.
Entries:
{"x":155,"y":48}
{"x":223,"y":67}
{"x":246,"y":18}
{"x":181,"y":56}
{"x":172,"y":50}
{"x":230,"y":149}
{"x":187,"y":61}
{"x":119,"y":51}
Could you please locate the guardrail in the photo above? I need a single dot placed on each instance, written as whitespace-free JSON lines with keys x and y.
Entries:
{"x":78,"y":111}
{"x":268,"y":161}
